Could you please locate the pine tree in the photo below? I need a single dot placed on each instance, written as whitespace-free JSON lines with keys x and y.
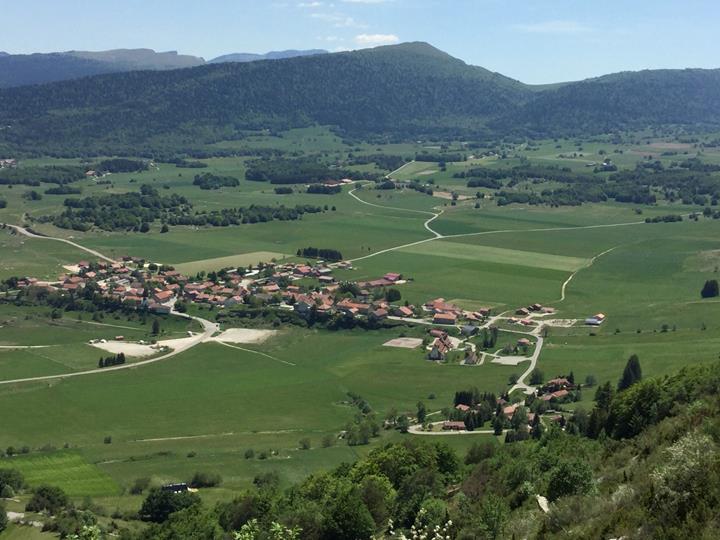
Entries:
{"x":632,"y":373}
{"x":710,"y":289}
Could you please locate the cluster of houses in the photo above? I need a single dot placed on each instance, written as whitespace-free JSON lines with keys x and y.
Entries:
{"x":132,"y":283}
{"x":559,"y":388}
{"x":506,"y":409}
{"x":444,"y":313}
{"x":524,"y":314}
{"x":8,"y":163}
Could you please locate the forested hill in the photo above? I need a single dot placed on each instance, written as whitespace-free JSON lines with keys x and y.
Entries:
{"x":40,"y":68}
{"x":627,"y":100}
{"x":407,"y":90}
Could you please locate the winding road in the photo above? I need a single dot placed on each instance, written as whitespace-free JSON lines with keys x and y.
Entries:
{"x":25,"y":232}
{"x":209,"y":328}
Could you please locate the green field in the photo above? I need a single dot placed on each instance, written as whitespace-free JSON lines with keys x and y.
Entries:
{"x":202,"y":409}
{"x":469,"y":252}
{"x":232,"y":261}
{"x":67,"y":470}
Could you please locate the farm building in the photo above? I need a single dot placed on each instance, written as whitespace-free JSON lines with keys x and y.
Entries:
{"x":444,"y":318}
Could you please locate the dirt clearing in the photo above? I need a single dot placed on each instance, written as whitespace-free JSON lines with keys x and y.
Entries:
{"x":404,"y":343}
{"x":245,"y":335}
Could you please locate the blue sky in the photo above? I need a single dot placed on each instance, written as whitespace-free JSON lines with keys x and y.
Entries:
{"x":535,"y":41}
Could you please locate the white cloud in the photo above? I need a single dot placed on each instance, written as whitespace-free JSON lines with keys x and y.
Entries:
{"x":373,"y":40}
{"x":310,"y":5}
{"x":338,"y":20}
{"x":366,"y":1}
{"x":553,"y":27}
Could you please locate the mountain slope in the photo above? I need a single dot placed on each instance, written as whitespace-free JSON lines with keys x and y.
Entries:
{"x":402,"y":91}
{"x":410,"y":88}
{"x":272,"y":55}
{"x":628,"y":100}
{"x":40,"y":68}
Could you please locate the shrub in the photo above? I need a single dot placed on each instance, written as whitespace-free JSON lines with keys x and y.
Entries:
{"x":205,"y":480}
{"x":51,"y":499}
{"x":140,"y":485}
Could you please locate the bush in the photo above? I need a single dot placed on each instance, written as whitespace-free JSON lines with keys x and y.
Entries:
{"x":159,"y":504}
{"x":304,"y":444}
{"x":205,"y":480}
{"x":140,"y":485}
{"x":48,"y":499}
{"x":570,"y":478}
{"x":249,"y":453}
{"x":12,"y":478}
{"x":3,"y":517}
{"x":710,"y":289}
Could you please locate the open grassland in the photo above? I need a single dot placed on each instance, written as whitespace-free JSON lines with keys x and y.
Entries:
{"x":43,"y":259}
{"x":20,"y":532}
{"x":217,"y":402}
{"x":456,"y":250}
{"x":34,"y":344}
{"x":232,"y":261}
{"x":65,"y":469}
{"x":203,"y":409}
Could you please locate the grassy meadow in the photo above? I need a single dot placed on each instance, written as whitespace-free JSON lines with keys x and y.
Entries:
{"x":202,"y":409}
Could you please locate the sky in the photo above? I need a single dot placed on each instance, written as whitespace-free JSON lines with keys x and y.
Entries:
{"x":535,"y":41}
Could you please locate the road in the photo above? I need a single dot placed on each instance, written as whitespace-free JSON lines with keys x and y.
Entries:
{"x":25,"y":232}
{"x":440,"y":236}
{"x":209,"y":328}
{"x":520,"y":384}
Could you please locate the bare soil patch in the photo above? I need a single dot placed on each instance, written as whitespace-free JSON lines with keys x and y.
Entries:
{"x":404,"y":343}
{"x":245,"y":335}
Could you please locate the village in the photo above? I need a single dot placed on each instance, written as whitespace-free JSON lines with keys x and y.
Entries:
{"x":310,"y":291}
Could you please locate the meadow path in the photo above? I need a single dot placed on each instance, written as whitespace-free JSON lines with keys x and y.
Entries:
{"x":25,"y":232}
{"x":209,"y":328}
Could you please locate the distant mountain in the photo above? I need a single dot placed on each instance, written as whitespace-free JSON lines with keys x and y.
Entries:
{"x":272,"y":55}
{"x":3,"y":53}
{"x":40,"y":68}
{"x":404,"y":91}
{"x":628,"y":100}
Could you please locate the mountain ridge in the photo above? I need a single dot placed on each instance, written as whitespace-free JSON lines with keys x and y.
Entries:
{"x":401,"y":91}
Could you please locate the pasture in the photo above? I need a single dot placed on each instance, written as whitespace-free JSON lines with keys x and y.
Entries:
{"x":202,"y":409}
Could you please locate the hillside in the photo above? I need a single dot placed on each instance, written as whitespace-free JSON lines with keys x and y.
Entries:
{"x":272,"y":55}
{"x":404,"y":91}
{"x":41,"y":68}
{"x":626,"y":100}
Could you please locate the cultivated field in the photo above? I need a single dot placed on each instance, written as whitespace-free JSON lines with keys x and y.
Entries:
{"x":200,"y":410}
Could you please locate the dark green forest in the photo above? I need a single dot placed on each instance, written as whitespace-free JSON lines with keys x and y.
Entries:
{"x":397,"y":92}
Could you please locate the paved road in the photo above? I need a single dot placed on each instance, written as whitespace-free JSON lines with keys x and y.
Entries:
{"x":520,"y":384}
{"x":209,"y":328}
{"x":29,"y":234}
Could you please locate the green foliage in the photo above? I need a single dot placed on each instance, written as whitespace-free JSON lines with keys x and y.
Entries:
{"x":571,"y":477}
{"x":49,"y":499}
{"x":710,"y":289}
{"x":11,"y":478}
{"x":320,"y":253}
{"x":631,"y":374}
{"x":213,"y":181}
{"x":192,"y":523}
{"x":160,"y":504}
{"x":205,"y":480}
{"x":3,"y":517}
{"x":122,"y":165}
